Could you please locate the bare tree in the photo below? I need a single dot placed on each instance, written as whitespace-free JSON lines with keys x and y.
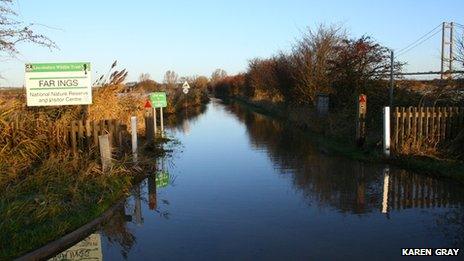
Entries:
{"x":144,"y":77}
{"x":311,"y":59}
{"x":201,"y":82}
{"x":14,"y":32}
{"x":218,"y":75}
{"x":171,"y":78}
{"x":459,"y":57}
{"x":189,"y":79}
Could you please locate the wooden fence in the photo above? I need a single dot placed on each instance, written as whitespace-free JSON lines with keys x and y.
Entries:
{"x":425,"y":127}
{"x":84,"y":134}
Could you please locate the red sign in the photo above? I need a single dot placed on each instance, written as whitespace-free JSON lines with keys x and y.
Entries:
{"x":362,"y":98}
{"x":147,"y":105}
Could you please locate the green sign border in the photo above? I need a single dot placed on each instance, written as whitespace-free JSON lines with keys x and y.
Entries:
{"x":57,"y":67}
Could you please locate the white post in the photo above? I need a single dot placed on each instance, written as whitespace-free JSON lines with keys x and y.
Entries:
{"x":134,"y":137}
{"x":386,"y":181}
{"x":161,"y":120}
{"x":105,"y":151}
{"x":154,"y":122}
{"x":386,"y":131}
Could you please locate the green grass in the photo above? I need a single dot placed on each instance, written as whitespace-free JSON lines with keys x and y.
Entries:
{"x":65,"y":193}
{"x":62,"y":195}
{"x":46,"y":193}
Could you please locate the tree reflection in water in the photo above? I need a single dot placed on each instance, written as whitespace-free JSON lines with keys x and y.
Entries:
{"x":116,"y":231}
{"x":327,"y":182}
{"x":350,"y":186}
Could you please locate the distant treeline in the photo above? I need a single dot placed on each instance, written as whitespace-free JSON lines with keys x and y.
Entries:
{"x":330,"y":61}
{"x":326,"y":60}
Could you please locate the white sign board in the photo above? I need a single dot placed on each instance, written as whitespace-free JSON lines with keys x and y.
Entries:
{"x":51,"y":84}
{"x":185,"y":87}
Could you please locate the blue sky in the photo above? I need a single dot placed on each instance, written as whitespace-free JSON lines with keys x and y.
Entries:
{"x":195,"y":37}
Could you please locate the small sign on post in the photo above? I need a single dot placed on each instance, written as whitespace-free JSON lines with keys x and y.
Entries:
{"x":185,"y":87}
{"x":361,"y":120}
{"x":322,"y":104}
{"x":149,"y":132}
{"x":158,"y":100}
{"x":51,"y":84}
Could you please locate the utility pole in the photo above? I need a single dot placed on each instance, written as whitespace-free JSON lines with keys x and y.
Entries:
{"x":442,"y":49}
{"x":392,"y":58}
{"x":451,"y":47}
{"x":446,"y":30}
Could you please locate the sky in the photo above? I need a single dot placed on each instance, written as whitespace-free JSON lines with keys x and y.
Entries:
{"x":196,"y":37}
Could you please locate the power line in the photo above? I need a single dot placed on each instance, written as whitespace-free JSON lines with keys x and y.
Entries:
{"x":458,"y":24}
{"x":419,"y":43}
{"x":420,"y":38}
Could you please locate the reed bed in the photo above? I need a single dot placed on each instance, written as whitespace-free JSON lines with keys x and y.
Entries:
{"x":46,"y":192}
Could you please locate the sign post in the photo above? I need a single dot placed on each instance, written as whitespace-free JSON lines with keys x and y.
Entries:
{"x":361,"y":120}
{"x":386,"y":131}
{"x":134,"y":137}
{"x":161,"y":122}
{"x":149,"y":132}
{"x":158,"y":100}
{"x":155,"y":130}
{"x":52,"y":84}
{"x":185,"y":90}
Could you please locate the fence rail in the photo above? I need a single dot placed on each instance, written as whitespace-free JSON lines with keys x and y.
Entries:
{"x":84,"y":134}
{"x":425,"y":127}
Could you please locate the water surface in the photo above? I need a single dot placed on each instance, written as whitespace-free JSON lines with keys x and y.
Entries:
{"x":248,"y":187}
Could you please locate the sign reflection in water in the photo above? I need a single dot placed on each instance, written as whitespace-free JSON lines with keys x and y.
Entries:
{"x":88,"y":249}
{"x":250,"y":186}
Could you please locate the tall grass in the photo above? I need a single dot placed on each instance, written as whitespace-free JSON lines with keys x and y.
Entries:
{"x":45,"y":192}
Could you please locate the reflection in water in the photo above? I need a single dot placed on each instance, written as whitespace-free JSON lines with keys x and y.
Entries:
{"x":407,"y":190}
{"x":181,"y":121}
{"x":137,"y":206}
{"x":116,"y":229}
{"x":386,"y":183}
{"x":152,"y":204}
{"x":344,"y":184}
{"x":243,"y":173}
{"x":339,"y":182}
{"x":88,"y":249}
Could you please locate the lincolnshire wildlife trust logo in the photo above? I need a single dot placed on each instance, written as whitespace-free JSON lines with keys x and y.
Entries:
{"x":28,"y":67}
{"x":430,"y":251}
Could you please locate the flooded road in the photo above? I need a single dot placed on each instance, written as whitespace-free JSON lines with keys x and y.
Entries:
{"x":247,"y":187}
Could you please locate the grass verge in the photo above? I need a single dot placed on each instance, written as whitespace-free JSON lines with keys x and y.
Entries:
{"x":63,"y":194}
{"x":440,"y":168}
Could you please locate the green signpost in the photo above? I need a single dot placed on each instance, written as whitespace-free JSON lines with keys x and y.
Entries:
{"x":158,"y":99}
